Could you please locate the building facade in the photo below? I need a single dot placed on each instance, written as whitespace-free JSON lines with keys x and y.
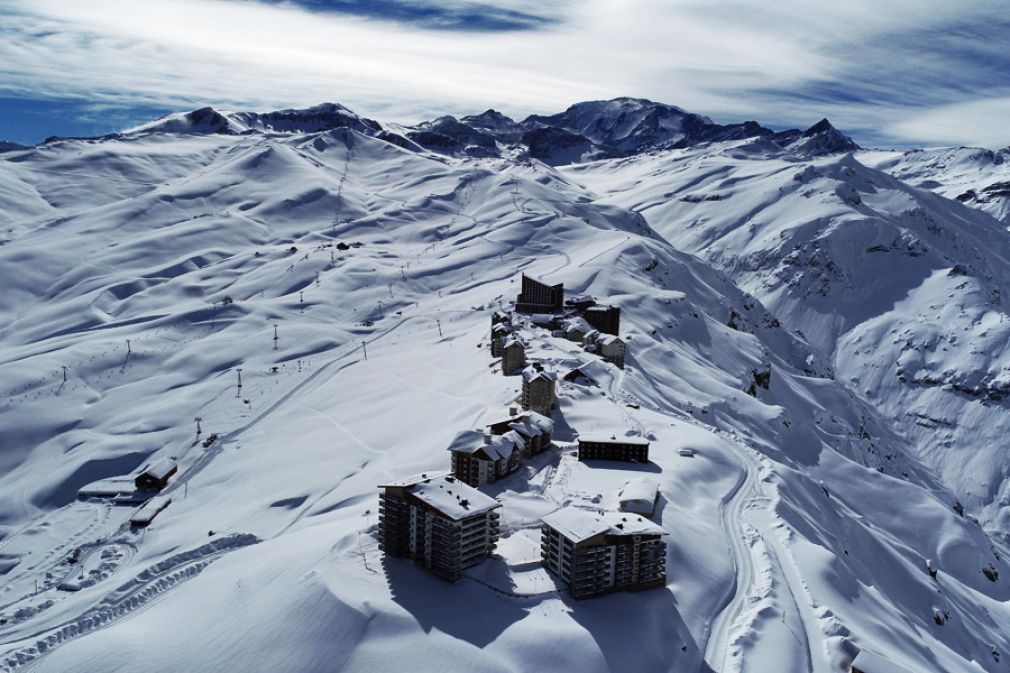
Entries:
{"x":156,"y":477}
{"x":441,"y":523}
{"x":611,"y":349}
{"x":513,"y":356}
{"x":596,"y":553}
{"x":479,"y":458}
{"x":628,"y":449}
{"x":538,"y":393}
{"x":535,"y":429}
{"x":607,"y":319}
{"x":538,"y":297}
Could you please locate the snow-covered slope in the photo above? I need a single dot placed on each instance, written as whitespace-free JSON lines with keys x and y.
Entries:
{"x":157,"y":264}
{"x":979,"y":178}
{"x":903,"y":289}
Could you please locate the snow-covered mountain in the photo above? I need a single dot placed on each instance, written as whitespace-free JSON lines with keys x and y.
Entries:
{"x":602,"y":129}
{"x":827,"y":338}
{"x":977,"y":177}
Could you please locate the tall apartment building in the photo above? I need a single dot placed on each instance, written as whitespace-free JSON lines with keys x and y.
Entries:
{"x":537,"y":297}
{"x":538,"y":393}
{"x":596,"y":553}
{"x":440,"y":522}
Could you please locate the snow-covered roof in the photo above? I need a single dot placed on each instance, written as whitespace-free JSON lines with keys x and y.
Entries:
{"x":531,"y":373}
{"x":871,"y":662}
{"x":496,"y":447}
{"x":599,"y":308}
{"x":161,"y":469}
{"x":582,"y":298}
{"x":614,"y":439}
{"x":631,"y":524}
{"x":466,"y":441}
{"x":513,"y":342}
{"x":501,"y":328}
{"x":578,"y":524}
{"x":452,"y":497}
{"x":593,"y":369}
{"x":639,"y":488}
{"x":539,"y":421}
{"x":542,"y":318}
{"x":607,"y":339}
{"x":577,"y":323}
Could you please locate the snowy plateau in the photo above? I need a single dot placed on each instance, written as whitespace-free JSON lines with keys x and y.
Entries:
{"x":817,"y":352}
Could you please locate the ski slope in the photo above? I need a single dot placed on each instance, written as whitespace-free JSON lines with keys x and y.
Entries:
{"x":156,"y":264}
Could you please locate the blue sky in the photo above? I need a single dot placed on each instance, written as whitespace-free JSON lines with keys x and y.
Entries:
{"x":900,"y":73}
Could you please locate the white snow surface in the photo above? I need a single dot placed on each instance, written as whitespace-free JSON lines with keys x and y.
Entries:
{"x":155,"y":265}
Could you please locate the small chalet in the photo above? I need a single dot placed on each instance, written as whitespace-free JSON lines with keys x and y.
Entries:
{"x":440,"y":522}
{"x":156,"y":477}
{"x":513,"y":355}
{"x":596,"y":553}
{"x":538,"y":297}
{"x":575,"y":329}
{"x":479,"y":458}
{"x":590,"y":373}
{"x":538,"y":393}
{"x":611,"y":349}
{"x":535,"y":430}
{"x":627,"y":449}
{"x":639,"y":495}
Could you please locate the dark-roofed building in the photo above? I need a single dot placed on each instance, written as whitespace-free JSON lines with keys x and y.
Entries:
{"x":479,"y":458}
{"x":156,"y":477}
{"x":440,"y":522}
{"x":535,"y":429}
{"x":538,"y":297}
{"x":596,"y":553}
{"x":628,"y":449}
{"x":607,"y":319}
{"x":538,"y":393}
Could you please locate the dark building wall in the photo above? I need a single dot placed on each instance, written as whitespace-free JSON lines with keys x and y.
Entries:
{"x":590,"y":450}
{"x":607,"y":320}
{"x":536,"y":297}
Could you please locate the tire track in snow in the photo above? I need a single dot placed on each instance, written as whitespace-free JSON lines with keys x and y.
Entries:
{"x":149,"y":585}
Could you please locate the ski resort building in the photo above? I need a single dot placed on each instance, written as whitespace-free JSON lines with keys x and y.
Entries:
{"x":156,"y":477}
{"x":440,"y":522}
{"x":535,"y":430}
{"x":576,"y":329}
{"x":607,"y":319}
{"x":611,"y":349}
{"x":513,"y":356}
{"x":539,"y":392}
{"x":538,"y":297}
{"x":628,"y":449}
{"x":479,"y":458}
{"x":596,"y":553}
{"x":499,"y":334}
{"x":639,"y":495}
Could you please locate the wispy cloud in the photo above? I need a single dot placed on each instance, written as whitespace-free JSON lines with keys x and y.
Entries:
{"x":892,"y":72}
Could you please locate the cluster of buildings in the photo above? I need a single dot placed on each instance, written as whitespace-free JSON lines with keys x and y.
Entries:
{"x":579,"y":319}
{"x":446,"y":524}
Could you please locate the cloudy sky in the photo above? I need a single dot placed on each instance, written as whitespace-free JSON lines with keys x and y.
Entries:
{"x":895,"y":73}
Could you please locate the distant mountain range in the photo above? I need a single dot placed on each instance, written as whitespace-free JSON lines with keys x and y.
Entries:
{"x":585,"y":131}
